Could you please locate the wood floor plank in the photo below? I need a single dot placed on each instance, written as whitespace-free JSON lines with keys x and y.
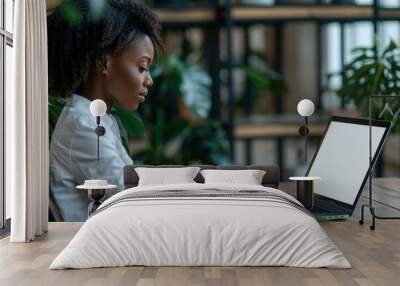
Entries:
{"x":131,"y":276}
{"x":212,"y":273}
{"x":146,"y":282}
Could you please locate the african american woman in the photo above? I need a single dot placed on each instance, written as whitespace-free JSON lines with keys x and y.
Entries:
{"x":105,"y":57}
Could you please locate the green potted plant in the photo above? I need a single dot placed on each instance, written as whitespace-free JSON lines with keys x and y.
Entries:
{"x":372,"y":72}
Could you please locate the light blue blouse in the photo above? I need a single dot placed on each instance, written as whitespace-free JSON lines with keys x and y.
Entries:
{"x":73,"y":156}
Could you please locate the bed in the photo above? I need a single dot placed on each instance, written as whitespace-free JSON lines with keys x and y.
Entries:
{"x":197,"y":224}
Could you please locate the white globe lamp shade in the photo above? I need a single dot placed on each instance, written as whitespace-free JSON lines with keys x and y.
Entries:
{"x":98,"y":107}
{"x":305,"y":107}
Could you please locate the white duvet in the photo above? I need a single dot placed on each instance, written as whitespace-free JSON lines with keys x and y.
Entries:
{"x":200,"y":231}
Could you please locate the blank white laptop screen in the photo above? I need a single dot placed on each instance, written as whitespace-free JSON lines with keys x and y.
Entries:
{"x":343,"y":160}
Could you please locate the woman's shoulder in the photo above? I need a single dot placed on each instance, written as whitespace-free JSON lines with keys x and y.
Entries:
{"x":73,"y":118}
{"x":76,"y":112}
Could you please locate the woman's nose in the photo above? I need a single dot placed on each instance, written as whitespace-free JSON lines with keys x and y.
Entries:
{"x":148,"y":81}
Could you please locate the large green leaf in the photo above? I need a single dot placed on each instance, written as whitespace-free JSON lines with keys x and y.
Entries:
{"x":195,"y":89}
{"x":390,"y":48}
{"x":124,"y":135}
{"x":363,"y":50}
{"x":55,"y":107}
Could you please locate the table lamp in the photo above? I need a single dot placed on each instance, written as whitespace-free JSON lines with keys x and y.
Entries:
{"x":98,"y":108}
{"x":305,"y":108}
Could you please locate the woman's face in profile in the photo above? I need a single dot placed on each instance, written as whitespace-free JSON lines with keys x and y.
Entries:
{"x":128,"y":77}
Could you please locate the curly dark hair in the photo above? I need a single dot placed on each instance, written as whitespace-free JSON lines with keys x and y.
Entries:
{"x":80,"y":36}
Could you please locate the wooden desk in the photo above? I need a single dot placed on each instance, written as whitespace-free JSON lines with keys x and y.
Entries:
{"x":275,"y":131}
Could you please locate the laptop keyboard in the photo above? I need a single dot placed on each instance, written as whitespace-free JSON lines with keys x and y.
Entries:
{"x":326,"y":206}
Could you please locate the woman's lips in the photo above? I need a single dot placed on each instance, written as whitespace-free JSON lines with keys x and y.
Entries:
{"x":142,"y":97}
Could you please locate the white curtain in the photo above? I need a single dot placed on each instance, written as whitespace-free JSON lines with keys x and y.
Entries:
{"x":27,"y":124}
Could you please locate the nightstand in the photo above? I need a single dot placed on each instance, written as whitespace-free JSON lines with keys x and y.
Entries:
{"x":305,"y":190}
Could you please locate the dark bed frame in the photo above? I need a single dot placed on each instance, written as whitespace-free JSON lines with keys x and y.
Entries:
{"x":270,"y":179}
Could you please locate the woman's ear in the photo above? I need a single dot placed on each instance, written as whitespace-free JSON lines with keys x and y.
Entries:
{"x":101,"y":64}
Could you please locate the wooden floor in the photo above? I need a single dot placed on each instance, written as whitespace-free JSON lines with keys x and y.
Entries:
{"x":374,"y":255}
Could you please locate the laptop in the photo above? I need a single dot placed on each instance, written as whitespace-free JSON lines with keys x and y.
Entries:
{"x":342,"y":161}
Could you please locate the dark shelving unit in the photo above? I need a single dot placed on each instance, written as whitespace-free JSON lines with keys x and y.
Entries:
{"x":228,"y":16}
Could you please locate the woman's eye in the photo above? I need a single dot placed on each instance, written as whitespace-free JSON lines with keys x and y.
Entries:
{"x":142,"y":69}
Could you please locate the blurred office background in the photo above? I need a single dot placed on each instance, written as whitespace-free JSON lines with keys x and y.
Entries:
{"x":233,"y":73}
{"x":262,"y":57}
{"x":227,"y":88}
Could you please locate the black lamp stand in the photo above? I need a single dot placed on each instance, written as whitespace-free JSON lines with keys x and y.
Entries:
{"x":304,"y":131}
{"x":100,"y":131}
{"x":95,"y":195}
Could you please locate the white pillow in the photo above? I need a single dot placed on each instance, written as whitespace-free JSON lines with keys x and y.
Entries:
{"x":165,"y":176}
{"x":248,"y":177}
